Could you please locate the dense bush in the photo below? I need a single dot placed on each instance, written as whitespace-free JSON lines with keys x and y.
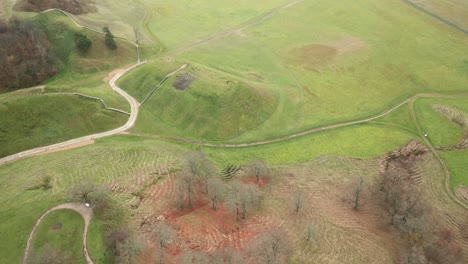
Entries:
{"x":82,"y":42}
{"x":109,"y":39}
{"x":25,"y":54}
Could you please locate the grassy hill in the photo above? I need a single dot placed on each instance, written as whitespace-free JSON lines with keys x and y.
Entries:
{"x":256,"y":70}
{"x":42,"y":120}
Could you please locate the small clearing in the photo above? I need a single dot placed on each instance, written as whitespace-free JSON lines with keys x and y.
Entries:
{"x":317,"y":54}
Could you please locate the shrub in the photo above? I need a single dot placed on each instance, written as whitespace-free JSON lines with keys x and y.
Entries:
{"x":82,"y":42}
{"x":109,"y":39}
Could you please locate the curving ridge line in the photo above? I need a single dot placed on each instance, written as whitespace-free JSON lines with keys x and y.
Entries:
{"x":130,"y":123}
{"x":306,"y":132}
{"x":86,"y":213}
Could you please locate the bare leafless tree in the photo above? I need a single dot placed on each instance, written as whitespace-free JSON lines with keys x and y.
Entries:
{"x":187,"y":183}
{"x":311,"y":232}
{"x":206,"y":173}
{"x":358,"y":192}
{"x":138,"y":37}
{"x":215,"y":191}
{"x":258,"y":168}
{"x":85,"y":191}
{"x":137,"y":34}
{"x":164,"y":235}
{"x":270,"y":247}
{"x":242,"y":198}
{"x":298,"y":201}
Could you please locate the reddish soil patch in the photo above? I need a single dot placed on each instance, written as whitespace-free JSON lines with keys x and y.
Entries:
{"x":253,"y":180}
{"x":76,"y":7}
{"x":203,"y":229}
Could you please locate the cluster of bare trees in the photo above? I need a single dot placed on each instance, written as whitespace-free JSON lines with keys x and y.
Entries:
{"x":200,"y":178}
{"x":25,"y":54}
{"x":270,"y":247}
{"x":407,"y":211}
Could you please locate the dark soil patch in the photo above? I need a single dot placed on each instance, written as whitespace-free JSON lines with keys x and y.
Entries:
{"x":183,"y":81}
{"x":56,"y":226}
{"x":405,"y":160}
{"x":76,"y":7}
{"x":313,"y":55}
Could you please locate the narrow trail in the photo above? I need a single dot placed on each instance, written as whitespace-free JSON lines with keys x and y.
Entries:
{"x":436,"y":155}
{"x":433,"y":15}
{"x":303,"y":133}
{"x":161,"y":83}
{"x":86,"y":213}
{"x":232,"y":30}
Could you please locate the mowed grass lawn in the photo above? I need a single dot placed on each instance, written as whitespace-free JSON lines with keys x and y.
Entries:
{"x":451,"y":10}
{"x":313,"y":64}
{"x":441,"y":130}
{"x":457,"y":163}
{"x":61,"y":231}
{"x":31,"y":122}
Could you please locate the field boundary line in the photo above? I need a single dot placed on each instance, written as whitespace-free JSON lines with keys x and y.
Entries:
{"x":85,"y":212}
{"x":433,"y":15}
{"x":102,"y":102}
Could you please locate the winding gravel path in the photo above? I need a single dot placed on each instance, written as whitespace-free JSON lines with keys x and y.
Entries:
{"x":86,"y":213}
{"x":134,"y":105}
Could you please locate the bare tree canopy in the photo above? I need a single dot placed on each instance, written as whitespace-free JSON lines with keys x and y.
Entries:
{"x":258,"y":168}
{"x":215,"y":191}
{"x":163,"y":235}
{"x":358,"y":192}
{"x":270,"y":247}
{"x":242,"y":198}
{"x":311,"y":232}
{"x":298,"y":201}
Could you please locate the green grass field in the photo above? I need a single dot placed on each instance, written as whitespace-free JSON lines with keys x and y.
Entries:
{"x":313,"y":64}
{"x":451,"y":10}
{"x":440,"y":129}
{"x":62,"y":231}
{"x":308,"y":67}
{"x":456,"y":161}
{"x":42,"y":120}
